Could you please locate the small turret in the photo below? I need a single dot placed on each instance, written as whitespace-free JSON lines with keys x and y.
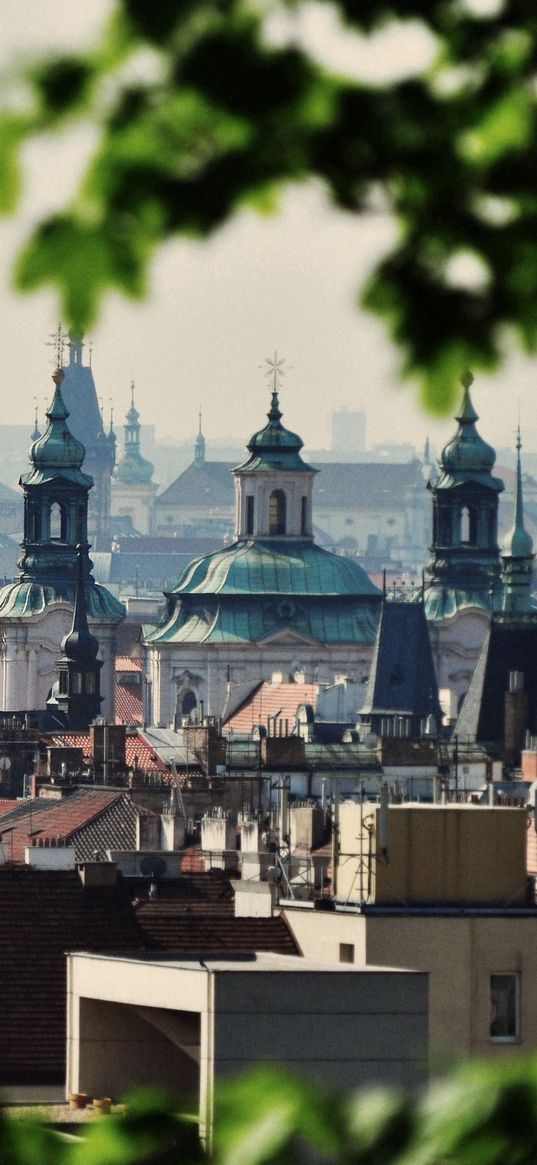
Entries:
{"x":199,"y":447}
{"x":517,"y":553}
{"x":133,"y":469}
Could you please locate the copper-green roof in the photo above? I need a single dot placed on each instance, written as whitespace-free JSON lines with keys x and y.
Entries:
{"x":275,"y":447}
{"x":275,"y":567}
{"x":249,"y":619}
{"x":27,"y":597}
{"x":444,"y":602}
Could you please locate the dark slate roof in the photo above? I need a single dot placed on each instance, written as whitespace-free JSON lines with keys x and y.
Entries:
{"x":45,"y":914}
{"x":365,"y":484}
{"x":80,"y":397}
{"x":210,"y":484}
{"x":511,"y":645}
{"x":402,"y":678}
{"x":196,"y":915}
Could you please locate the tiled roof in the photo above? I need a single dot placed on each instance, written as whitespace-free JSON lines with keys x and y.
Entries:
{"x":129,"y":705}
{"x":93,"y":820}
{"x":6,"y":806}
{"x":269,"y":699}
{"x":196,"y":915}
{"x":55,"y":819}
{"x":45,"y":914}
{"x":363,"y":485}
{"x":139,"y":753}
{"x":128,"y":663}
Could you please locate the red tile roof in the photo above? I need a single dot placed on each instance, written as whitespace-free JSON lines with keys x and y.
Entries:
{"x":6,"y":806}
{"x":54,"y":819}
{"x":139,"y":753}
{"x":269,"y":699}
{"x":129,"y":705}
{"x":128,"y":663}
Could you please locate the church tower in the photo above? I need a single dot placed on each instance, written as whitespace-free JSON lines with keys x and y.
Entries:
{"x":86,"y":423}
{"x":132,"y":488}
{"x":36,"y":610}
{"x":517,"y":555}
{"x":465,"y":568}
{"x":274,"y":485}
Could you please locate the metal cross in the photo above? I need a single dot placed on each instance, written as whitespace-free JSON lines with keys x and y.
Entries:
{"x":58,"y":340}
{"x":275,"y":371}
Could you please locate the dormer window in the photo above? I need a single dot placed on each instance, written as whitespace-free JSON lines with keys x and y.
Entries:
{"x":277,"y":512}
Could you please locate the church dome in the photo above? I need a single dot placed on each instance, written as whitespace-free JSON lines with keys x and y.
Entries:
{"x":57,"y":448}
{"x":134,"y":470}
{"x":275,"y":567}
{"x":467,"y":452}
{"x":274,"y":447}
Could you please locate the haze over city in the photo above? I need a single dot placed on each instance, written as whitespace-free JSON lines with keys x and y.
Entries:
{"x":216,"y":309}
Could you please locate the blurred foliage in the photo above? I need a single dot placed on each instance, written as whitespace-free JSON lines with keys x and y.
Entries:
{"x":483,"y":1114}
{"x":222,"y":118}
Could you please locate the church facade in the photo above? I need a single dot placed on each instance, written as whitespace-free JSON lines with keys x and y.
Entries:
{"x":272,"y":601}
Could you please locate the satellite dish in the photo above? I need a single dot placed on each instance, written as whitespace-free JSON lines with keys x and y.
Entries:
{"x":153,"y":866}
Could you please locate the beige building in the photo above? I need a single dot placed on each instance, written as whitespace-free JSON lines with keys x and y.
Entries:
{"x":186,"y":1024}
{"x":441,"y":889}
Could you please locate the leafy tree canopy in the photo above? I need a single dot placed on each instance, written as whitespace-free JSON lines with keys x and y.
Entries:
{"x":223,"y":118}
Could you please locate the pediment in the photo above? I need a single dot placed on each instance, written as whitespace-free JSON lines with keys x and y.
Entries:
{"x":287,"y":637}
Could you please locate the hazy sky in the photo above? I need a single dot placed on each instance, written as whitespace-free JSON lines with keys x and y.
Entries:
{"x":217,"y":309}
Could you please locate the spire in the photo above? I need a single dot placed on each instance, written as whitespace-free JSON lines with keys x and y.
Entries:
{"x":37,"y":432}
{"x":133,"y":469}
{"x":199,"y":446}
{"x":517,"y":551}
{"x":427,"y":451}
{"x":79,"y":644}
{"x":57,"y":448}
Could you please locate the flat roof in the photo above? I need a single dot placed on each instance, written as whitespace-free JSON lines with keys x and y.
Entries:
{"x":256,"y":962}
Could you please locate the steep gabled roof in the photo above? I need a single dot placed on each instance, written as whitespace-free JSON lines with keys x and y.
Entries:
{"x":210,"y":484}
{"x":271,"y":699}
{"x":402,"y":678}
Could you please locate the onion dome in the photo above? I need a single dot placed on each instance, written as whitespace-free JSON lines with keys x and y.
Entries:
{"x":274,"y":447}
{"x":467,"y":452}
{"x":517,"y":542}
{"x":133,"y":469}
{"x":57,"y":448}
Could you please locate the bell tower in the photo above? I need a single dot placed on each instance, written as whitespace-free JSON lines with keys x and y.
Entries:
{"x":465,"y":512}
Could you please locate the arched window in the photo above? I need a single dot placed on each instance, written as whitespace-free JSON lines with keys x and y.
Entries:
{"x":468,"y":526}
{"x":277,"y":512}
{"x":188,"y":703}
{"x":57,"y":522}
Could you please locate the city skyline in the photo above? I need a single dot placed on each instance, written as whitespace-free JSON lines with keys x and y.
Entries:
{"x":216,"y":309}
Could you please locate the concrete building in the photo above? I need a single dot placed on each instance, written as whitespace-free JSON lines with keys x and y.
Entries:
{"x":186,"y":1025}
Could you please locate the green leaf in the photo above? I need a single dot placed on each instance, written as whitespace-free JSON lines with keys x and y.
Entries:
{"x":13,"y":131}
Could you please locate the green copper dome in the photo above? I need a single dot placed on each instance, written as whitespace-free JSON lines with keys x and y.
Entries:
{"x":274,"y":447}
{"x":467,"y":455}
{"x":57,"y":448}
{"x":274,"y":568}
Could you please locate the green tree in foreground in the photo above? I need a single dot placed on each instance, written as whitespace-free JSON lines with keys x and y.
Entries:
{"x":223,"y":120}
{"x":480,"y":1115}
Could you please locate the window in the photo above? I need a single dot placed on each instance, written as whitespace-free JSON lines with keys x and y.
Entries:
{"x":56,"y":519}
{"x":346,"y":952}
{"x":277,"y":512}
{"x":89,"y":682}
{"x":249,"y":513}
{"x":468,"y":526}
{"x":504,"y":1008}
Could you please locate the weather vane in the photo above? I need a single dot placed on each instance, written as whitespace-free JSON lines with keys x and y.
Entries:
{"x":57,"y":340}
{"x":275,"y":371}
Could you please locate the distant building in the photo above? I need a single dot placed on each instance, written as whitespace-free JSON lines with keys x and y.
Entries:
{"x":348,"y":431}
{"x":133,"y":490}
